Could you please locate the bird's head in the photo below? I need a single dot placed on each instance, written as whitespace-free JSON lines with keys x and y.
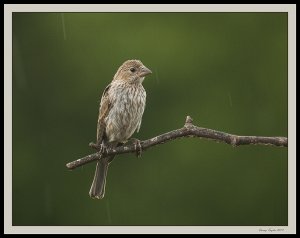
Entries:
{"x":132,"y":71}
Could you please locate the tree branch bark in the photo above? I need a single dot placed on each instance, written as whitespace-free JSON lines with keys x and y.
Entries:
{"x":188,"y":130}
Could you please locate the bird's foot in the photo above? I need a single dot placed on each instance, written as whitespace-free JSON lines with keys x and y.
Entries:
{"x":137,"y":146}
{"x":101,"y":148}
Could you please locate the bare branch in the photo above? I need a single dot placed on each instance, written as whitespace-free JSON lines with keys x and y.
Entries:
{"x":188,"y":130}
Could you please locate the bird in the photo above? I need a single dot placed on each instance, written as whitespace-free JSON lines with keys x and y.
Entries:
{"x":120,"y":114}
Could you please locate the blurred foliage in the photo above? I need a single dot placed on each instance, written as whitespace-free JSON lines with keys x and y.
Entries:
{"x":228,"y":71}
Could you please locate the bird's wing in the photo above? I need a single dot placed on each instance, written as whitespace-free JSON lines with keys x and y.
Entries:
{"x":105,"y":106}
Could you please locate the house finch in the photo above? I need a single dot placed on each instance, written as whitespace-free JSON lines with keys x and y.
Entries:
{"x":120,"y":114}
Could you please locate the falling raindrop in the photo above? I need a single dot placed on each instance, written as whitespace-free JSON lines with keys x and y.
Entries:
{"x":63,"y":26}
{"x":230,"y":100}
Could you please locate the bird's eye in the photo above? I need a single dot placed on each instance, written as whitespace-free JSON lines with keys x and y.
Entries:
{"x":132,"y":70}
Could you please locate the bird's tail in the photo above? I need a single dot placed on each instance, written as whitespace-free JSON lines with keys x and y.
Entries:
{"x":98,"y":186}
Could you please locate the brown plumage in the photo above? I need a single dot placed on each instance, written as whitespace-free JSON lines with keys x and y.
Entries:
{"x":120,"y":114}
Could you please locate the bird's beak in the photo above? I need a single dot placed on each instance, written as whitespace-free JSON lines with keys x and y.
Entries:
{"x":145,"y":71}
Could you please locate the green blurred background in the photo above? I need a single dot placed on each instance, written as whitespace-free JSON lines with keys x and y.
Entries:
{"x":228,"y":71}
